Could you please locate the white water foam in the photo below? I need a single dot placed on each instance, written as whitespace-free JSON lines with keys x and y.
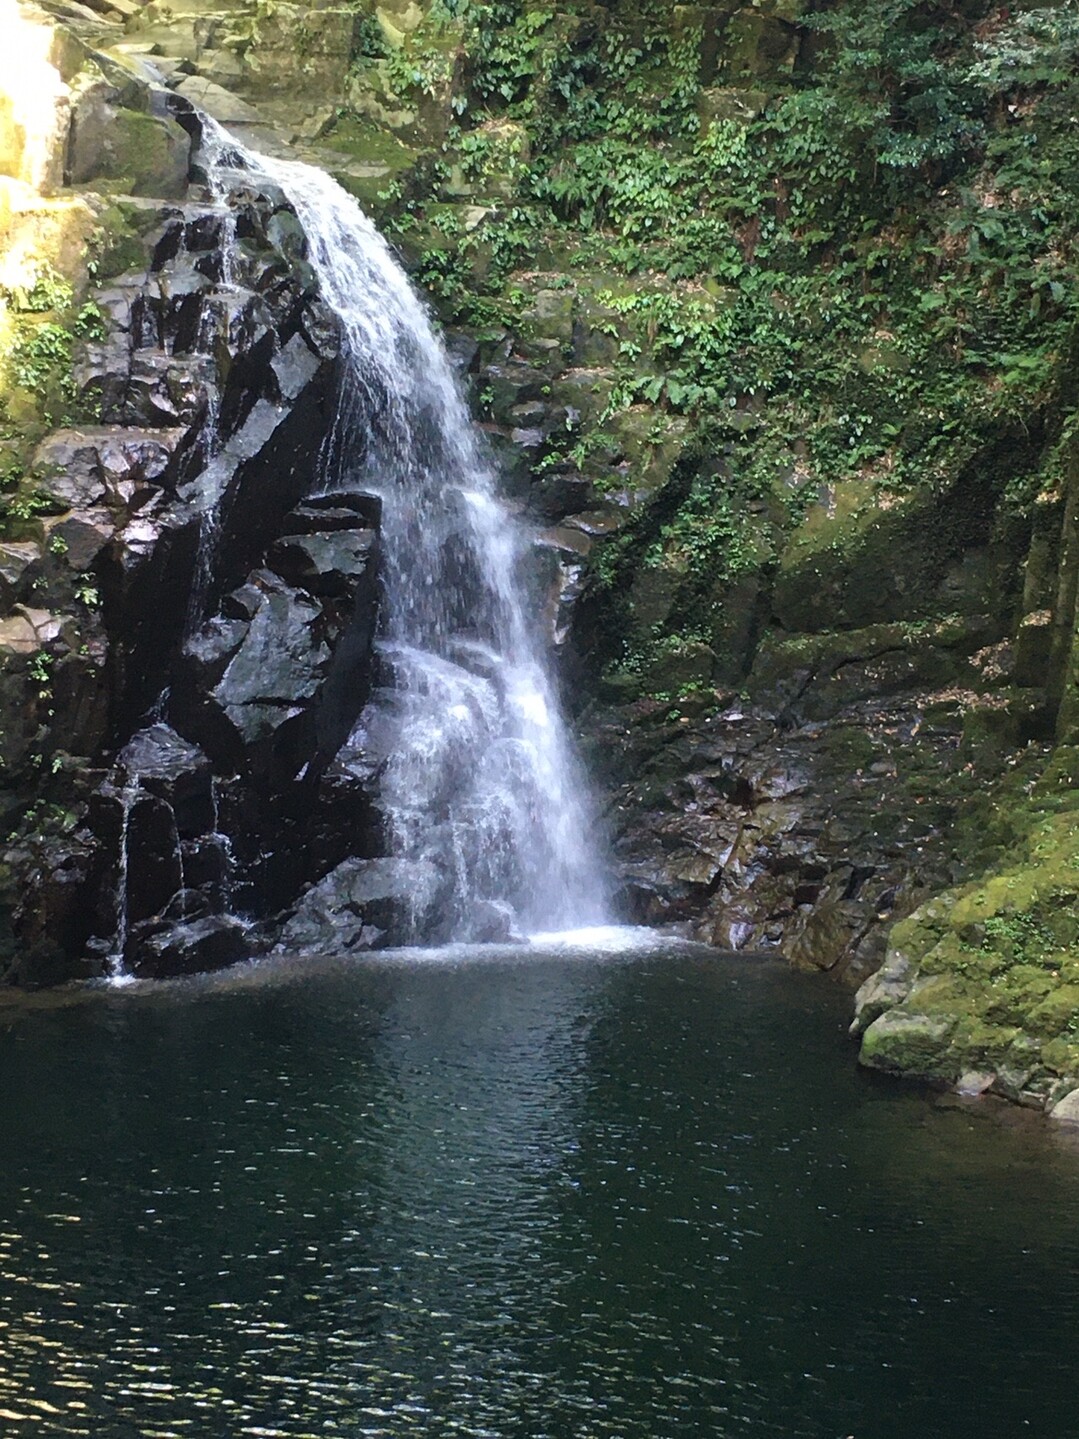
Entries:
{"x":481,"y":784}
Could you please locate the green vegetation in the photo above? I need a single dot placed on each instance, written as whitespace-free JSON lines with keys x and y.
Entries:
{"x":45,"y":322}
{"x":840,"y":245}
{"x":895,"y":189}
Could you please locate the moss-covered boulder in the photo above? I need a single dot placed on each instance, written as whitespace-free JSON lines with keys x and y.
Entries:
{"x":299,"y":50}
{"x":126,"y":151}
{"x":910,"y":1043}
{"x":993,"y":965}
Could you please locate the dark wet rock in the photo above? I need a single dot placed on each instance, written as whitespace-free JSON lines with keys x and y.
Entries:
{"x":760,"y":834}
{"x":72,"y":545}
{"x":352,"y":906}
{"x":320,"y":329}
{"x":16,"y":558}
{"x":512,"y":384}
{"x":191,"y":947}
{"x":338,"y":510}
{"x":296,"y":365}
{"x":241,"y":605}
{"x":462,"y":349}
{"x":285,"y":233}
{"x":258,"y":474}
{"x":120,"y":305}
{"x":211,"y":648}
{"x":527,"y":439}
{"x":207,"y":876}
{"x":278,"y":660}
{"x":152,"y":847}
{"x":324,"y":564}
{"x":555,"y":495}
{"x":103,"y":465}
{"x":492,"y":923}
{"x":194,"y":316}
{"x":287,"y":663}
{"x":175,"y":771}
{"x":151,"y":389}
{"x":561,"y":578}
{"x":49,"y":917}
{"x":598,"y":522}
{"x":210,"y":382}
{"x":67,"y":468}
{"x":276,"y":666}
{"x":355,"y":763}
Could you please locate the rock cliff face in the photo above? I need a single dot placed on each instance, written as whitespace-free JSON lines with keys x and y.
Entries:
{"x":783,"y":391}
{"x":168,"y":549}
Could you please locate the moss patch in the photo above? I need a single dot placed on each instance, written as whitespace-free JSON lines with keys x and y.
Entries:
{"x":994,"y":962}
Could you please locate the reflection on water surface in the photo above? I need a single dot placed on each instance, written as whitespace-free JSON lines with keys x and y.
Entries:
{"x":510,"y":1194}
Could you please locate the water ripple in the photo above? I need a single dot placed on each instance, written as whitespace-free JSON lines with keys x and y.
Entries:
{"x":545,"y":1196}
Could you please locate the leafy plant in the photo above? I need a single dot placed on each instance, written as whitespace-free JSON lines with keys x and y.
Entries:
{"x":40,"y":667}
{"x":89,"y":322}
{"x":49,"y":291}
{"x":37,"y":353}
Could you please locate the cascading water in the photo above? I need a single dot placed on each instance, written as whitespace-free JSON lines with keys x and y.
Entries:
{"x":218,"y":149}
{"x":128,"y":797}
{"x":223,"y":841}
{"x":485,"y":811}
{"x":480,"y":785}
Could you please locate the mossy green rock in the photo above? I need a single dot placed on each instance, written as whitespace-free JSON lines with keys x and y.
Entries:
{"x":904,"y":1042}
{"x":676,"y":667}
{"x":131,"y":152}
{"x":730,"y":103}
{"x":550,"y":316}
{"x":299,"y":50}
{"x":859,"y":559}
{"x":759,"y":46}
{"x":993,"y":964}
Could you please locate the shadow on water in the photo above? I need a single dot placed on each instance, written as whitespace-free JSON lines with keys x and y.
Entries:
{"x":561,"y":1190}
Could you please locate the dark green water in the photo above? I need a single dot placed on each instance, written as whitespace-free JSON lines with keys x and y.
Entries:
{"x":528,"y":1196}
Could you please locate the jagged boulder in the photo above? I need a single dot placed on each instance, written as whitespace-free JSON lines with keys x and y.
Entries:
{"x":324,"y":563}
{"x":16,"y":557}
{"x":353,"y":906}
{"x":51,"y":919}
{"x":96,"y":466}
{"x":254,"y":673}
{"x":192,"y":947}
{"x":145,"y":154}
{"x":166,"y":765}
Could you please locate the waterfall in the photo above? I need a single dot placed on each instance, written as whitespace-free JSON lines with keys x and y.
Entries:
{"x":480,"y":789}
{"x":221,"y":150}
{"x":223,"y":841}
{"x":128,"y":797}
